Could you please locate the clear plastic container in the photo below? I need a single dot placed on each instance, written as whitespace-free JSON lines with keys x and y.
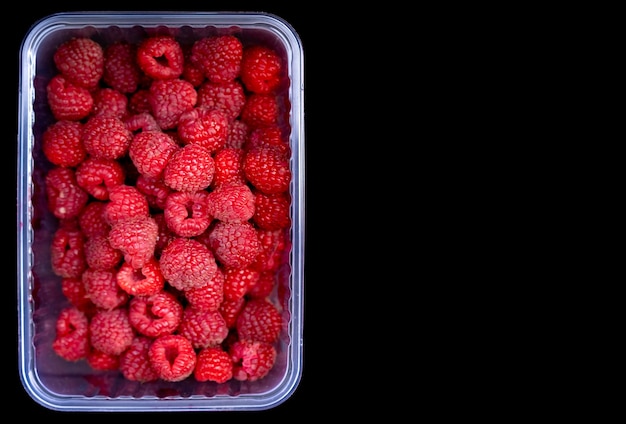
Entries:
{"x":62,"y":385}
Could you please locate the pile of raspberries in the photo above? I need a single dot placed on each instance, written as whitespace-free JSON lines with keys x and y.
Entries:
{"x":169,"y":174}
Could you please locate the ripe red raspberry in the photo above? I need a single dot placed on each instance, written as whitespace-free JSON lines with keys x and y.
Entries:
{"x":169,"y":99}
{"x":99,"y":175}
{"x":186,"y":263}
{"x":187,"y":213}
{"x":68,"y":101}
{"x":227,"y":97}
{"x":203,"y":328}
{"x":273,"y":244}
{"x":154,"y":190}
{"x":71,"y":340}
{"x":235,"y":244}
{"x":155,"y":315}
{"x":271,"y":211}
{"x":191,"y":72}
{"x":91,"y":219}
{"x":150,"y":152}
{"x":237,"y":282}
{"x":99,"y":253}
{"x":231,"y":203}
{"x":110,"y":102}
{"x":172,"y":357}
{"x":269,"y":136}
{"x":261,"y":69}
{"x":238,"y":134}
{"x":67,"y":254}
{"x":102,"y":361}
{"x":65,"y":198}
{"x":204,"y":126}
{"x":264,"y":285}
{"x":121,"y":70}
{"x":81,"y":61}
{"x":135,"y":362}
{"x":260,"y":110}
{"x":74,"y":291}
{"x":110,"y":331}
{"x":160,"y":57}
{"x":139,"y":102}
{"x":144,"y":281}
{"x":102,"y":289}
{"x":106,"y":137}
{"x":218,"y":56}
{"x":125,"y":202}
{"x":259,"y":321}
{"x":213,"y":364}
{"x":143,"y":121}
{"x":230,"y":310}
{"x":208,"y":297}
{"x":62,"y":143}
{"x":190,"y":168}
{"x":267,"y":169}
{"x":251,"y":360}
{"x":228,"y":167}
{"x":136,"y":238}
{"x":165,"y":234}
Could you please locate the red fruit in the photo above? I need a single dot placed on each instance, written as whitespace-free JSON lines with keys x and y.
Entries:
{"x":190,"y":168}
{"x":227,"y":97}
{"x":273,"y":243}
{"x":74,"y":291}
{"x":150,"y":152}
{"x":142,"y":121}
{"x":260,"y":110}
{"x":71,"y":341}
{"x":91,"y":219}
{"x":68,"y":101}
{"x":110,"y":331}
{"x":139,"y":102}
{"x":169,"y":99}
{"x":172,"y":357}
{"x":237,"y":282}
{"x":267,"y":169}
{"x":99,"y":175}
{"x":238,"y":134}
{"x":269,"y":136}
{"x":259,"y":321}
{"x":81,"y":61}
{"x":136,"y":238}
{"x":106,"y":137}
{"x":203,"y":328}
{"x":251,"y":360}
{"x":264,"y":285}
{"x":67,"y":255}
{"x":154,"y":190}
{"x":231,"y":203}
{"x":99,"y":253}
{"x":213,"y":364}
{"x":62,"y":143}
{"x":155,"y":315}
{"x":228,"y":167}
{"x":219,"y":57}
{"x":102,"y":289}
{"x":208,"y":297}
{"x":187,"y":213}
{"x":235,"y":244}
{"x":110,"y":102}
{"x":271,"y":211}
{"x":121,"y":71}
{"x":144,"y":281}
{"x":204,"y":126}
{"x":65,"y":198}
{"x":135,"y":362}
{"x":125,"y":202}
{"x":103,"y":361}
{"x":261,"y":69}
{"x":230,"y":310}
{"x":160,"y":57}
{"x":187,"y":263}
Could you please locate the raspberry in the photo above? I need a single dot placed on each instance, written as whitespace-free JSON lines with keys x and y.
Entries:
{"x":228,"y":167}
{"x":251,"y":360}
{"x":235,"y":244}
{"x":213,"y":364}
{"x":271,"y":211}
{"x":98,"y":175}
{"x":160,"y":57}
{"x":65,"y":198}
{"x":190,"y":168}
{"x":165,"y":234}
{"x":67,"y":253}
{"x":269,"y":136}
{"x":102,"y":289}
{"x":71,"y":341}
{"x":238,"y":134}
{"x":110,"y":331}
{"x":68,"y":101}
{"x":125,"y":202}
{"x":191,"y":72}
{"x":110,"y":102}
{"x":227,"y":97}
{"x":261,"y":69}
{"x":91,"y":219}
{"x":187,"y":263}
{"x":204,"y":126}
{"x":208,"y":297}
{"x":74,"y":291}
{"x":259,"y":321}
{"x":219,"y":57}
{"x":271,"y":250}
{"x":150,"y":152}
{"x":136,"y":238}
{"x":155,"y":315}
{"x":81,"y":61}
{"x":230,"y":310}
{"x":121,"y":70}
{"x":106,"y":137}
{"x":103,"y":361}
{"x":142,"y":121}
{"x":267,"y":169}
{"x":231,"y":203}
{"x":62,"y":143}
{"x":144,"y":281}
{"x":169,"y":99}
{"x":172,"y":357}
{"x":99,"y":254}
{"x":237,"y":282}
{"x":135,"y":362}
{"x":264,"y":285}
{"x":139,"y":102}
{"x":203,"y":328}
{"x":154,"y":190}
{"x":187,"y":213}
{"x":260,"y":110}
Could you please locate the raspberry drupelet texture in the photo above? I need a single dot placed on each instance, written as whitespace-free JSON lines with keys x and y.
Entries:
{"x":66,"y":199}
{"x":135,"y":362}
{"x":145,"y":281}
{"x":155,"y":315}
{"x":110,"y":102}
{"x":231,"y":203}
{"x":208,"y":297}
{"x":91,"y":220}
{"x":160,"y":57}
{"x":106,"y":137}
{"x":103,"y":361}
{"x":98,"y":175}
{"x":219,"y":57}
{"x":125,"y":202}
{"x":150,"y":152}
{"x":172,"y":357}
{"x":187,"y":213}
{"x":136,"y":238}
{"x":68,"y":101}
{"x":251,"y":360}
{"x":228,"y":167}
{"x":99,"y":253}
{"x":203,"y":328}
{"x":237,"y":282}
{"x":186,"y":263}
{"x":74,"y":291}
{"x":110,"y":331}
{"x":67,"y":252}
{"x":204,"y":126}
{"x":267,"y":169}
{"x":213,"y":364}
{"x":81,"y":61}
{"x":260,"y":110}
{"x":261,"y":69}
{"x":169,"y":99}
{"x":259,"y":321}
{"x":190,"y":168}
{"x":227,"y":97}
{"x":71,"y":340}
{"x":121,"y":70}
{"x":235,"y":244}
{"x":62,"y":143}
{"x":271,"y":211}
{"x":102,"y":289}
